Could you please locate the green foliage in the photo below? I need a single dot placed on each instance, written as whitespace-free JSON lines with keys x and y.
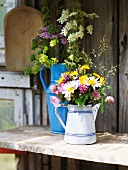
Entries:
{"x":82,"y":99}
{"x":46,"y":12}
{"x":50,"y":48}
{"x":97,"y":54}
{"x":32,"y":57}
{"x":27,"y":71}
{"x":73,"y":29}
{"x":49,"y":45}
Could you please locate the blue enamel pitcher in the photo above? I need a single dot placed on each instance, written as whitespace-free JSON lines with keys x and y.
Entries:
{"x":55,"y":125}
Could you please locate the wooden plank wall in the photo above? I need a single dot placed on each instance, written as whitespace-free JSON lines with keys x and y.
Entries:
{"x":106,"y":24}
{"x":123,"y":72}
{"x":33,"y":161}
{"x":112,"y":22}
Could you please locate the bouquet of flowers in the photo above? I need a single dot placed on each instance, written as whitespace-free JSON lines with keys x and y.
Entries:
{"x":50,"y":48}
{"x":81,"y":88}
{"x":61,"y":42}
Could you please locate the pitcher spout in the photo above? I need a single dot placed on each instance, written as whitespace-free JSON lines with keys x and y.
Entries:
{"x":95,"y":109}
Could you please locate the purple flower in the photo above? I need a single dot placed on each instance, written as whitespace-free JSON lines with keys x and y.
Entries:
{"x":109,"y":99}
{"x":45,"y":35}
{"x":54,"y":36}
{"x":53,"y":89}
{"x":66,"y":77}
{"x":96,"y":95}
{"x":64,"y":41}
{"x":55,"y":100}
{"x":43,"y":29}
{"x":83,"y":88}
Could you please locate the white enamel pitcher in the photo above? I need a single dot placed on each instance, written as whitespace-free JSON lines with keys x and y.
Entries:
{"x":80,"y":125}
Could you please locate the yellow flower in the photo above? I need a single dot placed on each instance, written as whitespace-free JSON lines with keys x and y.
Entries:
{"x":82,"y":79}
{"x":61,"y":80}
{"x":45,"y":49}
{"x":85,"y":67}
{"x":74,"y":73}
{"x":43,"y":58}
{"x":53,"y":42}
{"x":71,"y":89}
{"x":67,"y":72}
{"x":91,"y":82}
{"x":54,"y":61}
{"x":102,"y":81}
{"x":96,"y":75}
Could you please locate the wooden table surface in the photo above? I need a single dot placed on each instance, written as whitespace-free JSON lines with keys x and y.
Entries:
{"x":110,"y":148}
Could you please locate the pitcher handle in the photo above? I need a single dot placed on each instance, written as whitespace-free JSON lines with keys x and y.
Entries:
{"x":42,"y":77}
{"x":58,"y":116}
{"x":95,"y":110}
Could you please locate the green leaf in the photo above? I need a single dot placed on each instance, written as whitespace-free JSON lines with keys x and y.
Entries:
{"x":102,"y":104}
{"x":27,"y":71}
{"x":32,"y":57}
{"x":81,"y":99}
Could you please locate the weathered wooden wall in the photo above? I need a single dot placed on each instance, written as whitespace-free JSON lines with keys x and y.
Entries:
{"x":123,"y":72}
{"x":33,"y":161}
{"x":112,"y":22}
{"x":106,"y":24}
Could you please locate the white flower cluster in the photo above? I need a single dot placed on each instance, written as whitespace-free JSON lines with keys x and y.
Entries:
{"x":64,"y":16}
{"x":74,"y":36}
{"x":71,"y":30}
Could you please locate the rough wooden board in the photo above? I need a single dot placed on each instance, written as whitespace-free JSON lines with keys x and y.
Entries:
{"x":123,"y":71}
{"x":109,"y":148}
{"x":56,"y":163}
{"x":106,"y":24}
{"x":14,"y":79}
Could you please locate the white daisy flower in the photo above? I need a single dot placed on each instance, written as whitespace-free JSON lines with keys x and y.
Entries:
{"x":92,"y":81}
{"x":69,"y":88}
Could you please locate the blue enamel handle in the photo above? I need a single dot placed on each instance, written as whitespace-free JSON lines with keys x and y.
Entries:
{"x":42,"y":77}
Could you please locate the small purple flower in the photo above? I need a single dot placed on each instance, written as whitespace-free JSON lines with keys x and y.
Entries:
{"x":66,"y":77}
{"x":64,"y":41}
{"x":43,"y":29}
{"x":53,"y":89}
{"x":109,"y":99}
{"x":83,"y":88}
{"x":45,"y":35}
{"x":54,"y":36}
{"x":96,"y":95}
{"x":55,"y":100}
